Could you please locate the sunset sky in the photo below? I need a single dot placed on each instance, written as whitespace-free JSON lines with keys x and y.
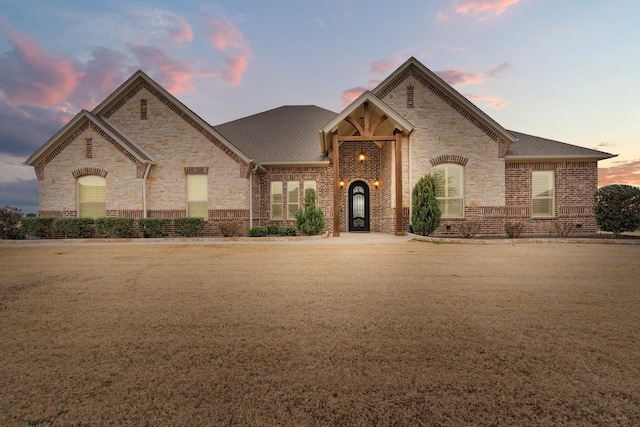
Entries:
{"x":561,"y":69}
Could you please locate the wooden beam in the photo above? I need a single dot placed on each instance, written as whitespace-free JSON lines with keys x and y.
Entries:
{"x":336,"y":185}
{"x":398,"y":147}
{"x":376,"y":124}
{"x":367,"y":131}
{"x":355,"y":124}
{"x":367,"y":138}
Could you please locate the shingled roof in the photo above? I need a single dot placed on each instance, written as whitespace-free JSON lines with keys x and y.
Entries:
{"x":529,"y":147}
{"x":284,"y":135}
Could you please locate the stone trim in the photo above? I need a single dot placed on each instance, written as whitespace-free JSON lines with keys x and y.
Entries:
{"x":196,"y":170}
{"x":449,"y":158}
{"x":39,"y":168}
{"x":89,"y":171}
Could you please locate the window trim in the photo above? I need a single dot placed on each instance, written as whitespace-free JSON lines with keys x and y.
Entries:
{"x":551,"y":176}
{"x":296,"y":203}
{"x":445,"y":199}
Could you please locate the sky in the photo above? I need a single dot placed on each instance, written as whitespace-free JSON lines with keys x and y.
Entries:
{"x":560,"y":69}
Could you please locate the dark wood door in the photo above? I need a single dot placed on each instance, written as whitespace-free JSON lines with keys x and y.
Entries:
{"x":358,"y":206}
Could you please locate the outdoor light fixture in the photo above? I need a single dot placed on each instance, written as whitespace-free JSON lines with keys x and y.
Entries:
{"x":361,"y":157}
{"x":341,"y":184}
{"x":376,"y":184}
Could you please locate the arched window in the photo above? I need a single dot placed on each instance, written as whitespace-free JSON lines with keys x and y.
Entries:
{"x":450,"y":189}
{"x":92,"y":191}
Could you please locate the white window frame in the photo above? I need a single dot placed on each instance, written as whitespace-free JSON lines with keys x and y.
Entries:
{"x":96,"y":200}
{"x":293,"y":200}
{"x":445,"y":198}
{"x":549,"y":193}
{"x":276,"y":200}
{"x":196,"y":195}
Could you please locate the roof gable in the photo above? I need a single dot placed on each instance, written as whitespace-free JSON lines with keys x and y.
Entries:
{"x":414,"y":68}
{"x":340,"y":121}
{"x":140,"y":80}
{"x":82,"y":121}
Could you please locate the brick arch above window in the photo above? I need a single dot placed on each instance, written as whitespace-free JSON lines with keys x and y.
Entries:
{"x":89,"y":171}
{"x":449,"y":158}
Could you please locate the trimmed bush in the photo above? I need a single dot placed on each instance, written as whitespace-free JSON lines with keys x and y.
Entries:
{"x":188,"y":227}
{"x":272,"y":229}
{"x":618,"y":208}
{"x":114,"y":227}
{"x":258,"y":232}
{"x":10,"y":223}
{"x":287,"y":230}
{"x":73,"y":228}
{"x":38,"y":228}
{"x":310,"y":219}
{"x":513,"y":229}
{"x":469,"y":229}
{"x":425,"y":216}
{"x":153,"y":227}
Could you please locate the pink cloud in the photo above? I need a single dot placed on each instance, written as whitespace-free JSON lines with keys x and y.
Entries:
{"x":236,"y":66}
{"x":621,"y":172}
{"x":224,"y":35}
{"x":442,"y":16}
{"x":486,"y":7}
{"x":34,"y":75}
{"x":350,"y":95}
{"x":174,"y":75}
{"x":383,"y":66}
{"x":180,"y":31}
{"x":103,"y":73}
{"x":462,"y":78}
{"x":493,"y":101}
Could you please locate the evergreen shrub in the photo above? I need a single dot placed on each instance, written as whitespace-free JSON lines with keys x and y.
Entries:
{"x":425,"y":215}
{"x":618,"y":208}
{"x":114,"y":227}
{"x":310,"y":219}
{"x":188,"y":227}
{"x":153,"y":227}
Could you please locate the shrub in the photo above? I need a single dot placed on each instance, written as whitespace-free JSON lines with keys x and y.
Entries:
{"x":188,"y":227}
{"x":287,"y":230}
{"x":153,"y":227}
{"x":38,"y":228}
{"x":272,"y":229}
{"x":513,"y":229}
{"x":10,"y":223}
{"x":258,"y":232}
{"x":310,"y":219}
{"x":114,"y":227}
{"x":228,"y":229}
{"x":73,"y":227}
{"x":564,"y":228}
{"x":618,"y":208}
{"x":469,"y":229}
{"x":425,"y":216}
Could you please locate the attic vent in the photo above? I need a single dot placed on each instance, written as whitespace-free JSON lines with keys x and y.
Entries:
{"x":88,"y":148}
{"x":143,"y":109}
{"x":410,"y":96}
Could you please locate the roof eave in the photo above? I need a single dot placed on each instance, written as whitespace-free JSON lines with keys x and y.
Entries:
{"x":47,"y":146}
{"x":296,"y":164}
{"x":553,"y":158}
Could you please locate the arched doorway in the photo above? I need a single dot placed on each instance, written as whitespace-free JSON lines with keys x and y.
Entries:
{"x":359,"y":206}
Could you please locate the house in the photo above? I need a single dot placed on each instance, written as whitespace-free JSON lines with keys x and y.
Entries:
{"x":142,"y":153}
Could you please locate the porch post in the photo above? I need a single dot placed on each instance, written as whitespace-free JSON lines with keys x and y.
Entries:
{"x":398,"y":147}
{"x":336,"y":185}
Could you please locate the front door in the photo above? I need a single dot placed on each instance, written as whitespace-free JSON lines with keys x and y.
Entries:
{"x":358,"y":206}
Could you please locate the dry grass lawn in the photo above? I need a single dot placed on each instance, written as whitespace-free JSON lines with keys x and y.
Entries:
{"x":408,"y":333}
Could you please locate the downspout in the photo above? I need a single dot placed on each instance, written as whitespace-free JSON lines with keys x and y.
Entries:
{"x":144,"y":190}
{"x":410,"y":180}
{"x":255,"y":168}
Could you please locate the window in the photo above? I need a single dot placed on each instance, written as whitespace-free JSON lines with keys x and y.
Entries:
{"x":542,"y":190}
{"x":293,"y":198}
{"x":276,"y":200}
{"x":92,"y":192}
{"x":450,"y":189}
{"x":197,"y":199}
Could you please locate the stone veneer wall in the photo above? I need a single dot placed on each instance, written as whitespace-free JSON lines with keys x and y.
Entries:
{"x":176,"y":144}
